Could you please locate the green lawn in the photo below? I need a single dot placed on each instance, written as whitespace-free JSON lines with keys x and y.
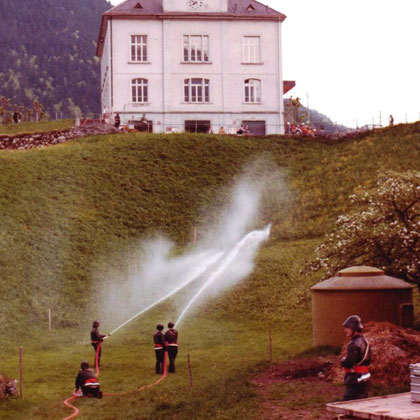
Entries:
{"x":225,"y":348}
{"x":31,"y":127}
{"x":72,"y":211}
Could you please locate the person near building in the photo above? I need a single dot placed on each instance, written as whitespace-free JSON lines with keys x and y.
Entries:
{"x":159,"y":342}
{"x":97,"y":338}
{"x":171,"y":343}
{"x":357,"y":360}
{"x":391,"y":120}
{"x":16,"y":116}
{"x":87,"y":382}
{"x":222,"y":131}
{"x":117,"y":121}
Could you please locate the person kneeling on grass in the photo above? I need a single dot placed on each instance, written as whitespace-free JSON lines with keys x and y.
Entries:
{"x":86,"y":382}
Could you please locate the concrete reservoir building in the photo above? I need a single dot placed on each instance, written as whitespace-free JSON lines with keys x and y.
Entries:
{"x":193,"y":65}
{"x":361,"y":290}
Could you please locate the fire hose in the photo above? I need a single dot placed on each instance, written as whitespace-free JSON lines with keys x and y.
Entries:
{"x":75,"y":397}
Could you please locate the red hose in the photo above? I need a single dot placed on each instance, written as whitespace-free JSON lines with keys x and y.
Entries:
{"x":160,"y":379}
{"x":75,"y":409}
{"x":98,"y":349}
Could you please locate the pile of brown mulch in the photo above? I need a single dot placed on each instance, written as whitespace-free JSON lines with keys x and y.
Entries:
{"x":393,"y":349}
{"x":7,"y":387}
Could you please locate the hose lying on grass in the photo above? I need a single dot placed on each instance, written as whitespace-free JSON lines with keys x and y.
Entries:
{"x":75,"y":409}
{"x":75,"y":397}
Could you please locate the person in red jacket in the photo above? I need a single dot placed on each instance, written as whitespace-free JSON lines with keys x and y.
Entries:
{"x":357,"y":360}
{"x":87,"y":382}
{"x":97,"y":338}
{"x":159,"y":343}
{"x":171,"y":342}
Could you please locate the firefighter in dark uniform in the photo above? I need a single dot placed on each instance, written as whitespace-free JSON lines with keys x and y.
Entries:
{"x":159,"y":342}
{"x":171,"y":343}
{"x":357,"y":360}
{"x":97,"y":338}
{"x":86,"y":381}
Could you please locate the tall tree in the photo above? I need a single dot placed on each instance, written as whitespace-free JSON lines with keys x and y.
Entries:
{"x":382,"y":230}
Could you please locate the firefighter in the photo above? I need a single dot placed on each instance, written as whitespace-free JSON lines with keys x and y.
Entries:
{"x":86,"y":381}
{"x":97,"y":338}
{"x":357,"y":360}
{"x":159,"y":342}
{"x":171,"y":343}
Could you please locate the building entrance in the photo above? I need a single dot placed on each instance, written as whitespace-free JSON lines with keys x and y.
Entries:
{"x":255,"y":128}
{"x":197,"y":126}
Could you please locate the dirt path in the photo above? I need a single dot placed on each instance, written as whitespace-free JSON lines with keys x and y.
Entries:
{"x":298,"y":389}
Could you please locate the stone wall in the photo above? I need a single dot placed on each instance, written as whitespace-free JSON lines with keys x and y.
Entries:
{"x":29,"y":141}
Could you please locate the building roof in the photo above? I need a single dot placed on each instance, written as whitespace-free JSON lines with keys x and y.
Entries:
{"x":361,"y":278}
{"x":153,"y":9}
{"x":136,"y":8}
{"x":238,"y":8}
{"x":288,"y":85}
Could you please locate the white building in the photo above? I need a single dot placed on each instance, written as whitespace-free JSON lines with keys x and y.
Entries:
{"x":193,"y":65}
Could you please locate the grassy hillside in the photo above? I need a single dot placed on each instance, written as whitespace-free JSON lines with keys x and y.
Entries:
{"x":40,"y":127}
{"x":68,"y":211}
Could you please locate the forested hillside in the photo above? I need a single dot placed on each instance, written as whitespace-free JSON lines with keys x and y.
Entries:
{"x":47,"y":53}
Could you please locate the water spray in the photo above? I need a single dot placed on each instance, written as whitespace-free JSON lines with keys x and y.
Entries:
{"x":193,"y":276}
{"x":254,"y":237}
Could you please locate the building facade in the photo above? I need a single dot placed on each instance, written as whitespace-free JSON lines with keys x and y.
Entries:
{"x":193,"y":65}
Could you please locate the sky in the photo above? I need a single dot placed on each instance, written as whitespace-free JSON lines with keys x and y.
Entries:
{"x":355,"y":61}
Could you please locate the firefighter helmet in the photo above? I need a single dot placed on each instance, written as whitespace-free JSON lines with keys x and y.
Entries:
{"x":159,"y":327}
{"x":353,"y":322}
{"x":84,"y":365}
{"x":171,"y":325}
{"x":95,"y":324}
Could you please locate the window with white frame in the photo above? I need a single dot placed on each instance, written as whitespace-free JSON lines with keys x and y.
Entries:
{"x":196,"y":48}
{"x":139,"y":90}
{"x":197,"y":90}
{"x":138,"y":46}
{"x":252,"y":90}
{"x":251,"y":49}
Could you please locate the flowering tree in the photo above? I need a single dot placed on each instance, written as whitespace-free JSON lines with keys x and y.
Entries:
{"x":382,"y":230}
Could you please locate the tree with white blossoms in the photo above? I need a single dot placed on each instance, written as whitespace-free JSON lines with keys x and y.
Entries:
{"x":381,"y":230}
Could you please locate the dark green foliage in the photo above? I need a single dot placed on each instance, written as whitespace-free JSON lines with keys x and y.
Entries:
{"x":47,"y":53}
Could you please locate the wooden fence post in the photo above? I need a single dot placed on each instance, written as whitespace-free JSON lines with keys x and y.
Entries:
{"x":49,"y":319}
{"x":270,"y":346}
{"x":21,"y":371}
{"x":189,"y":369}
